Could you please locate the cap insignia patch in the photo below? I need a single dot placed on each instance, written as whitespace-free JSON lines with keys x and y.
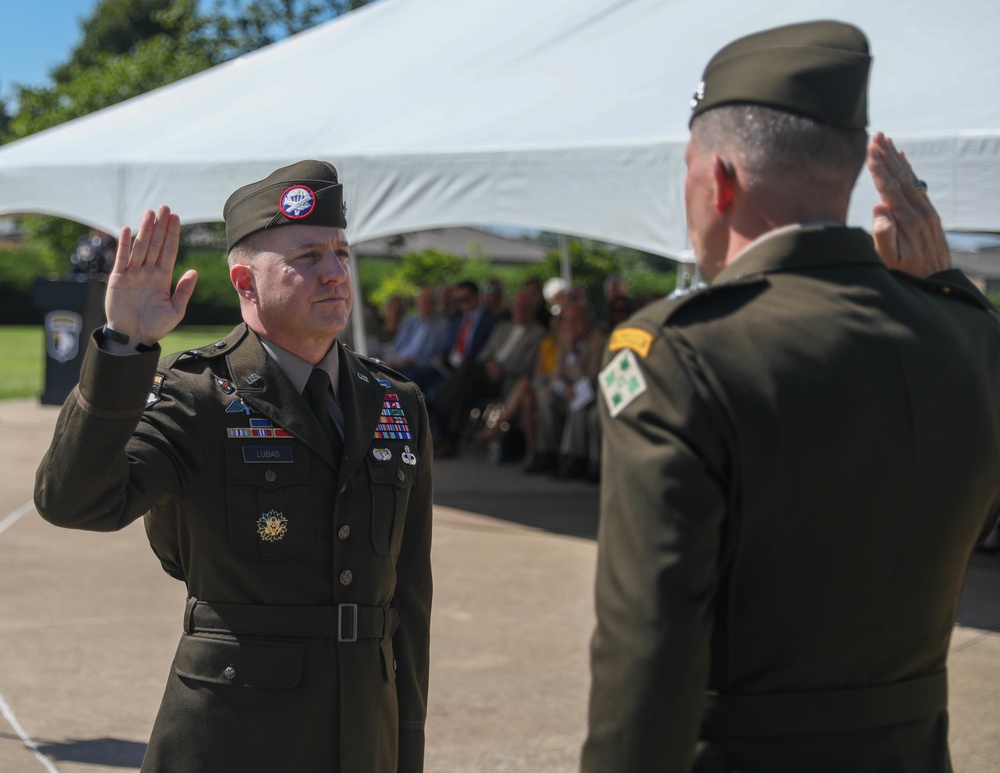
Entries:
{"x":298,"y":202}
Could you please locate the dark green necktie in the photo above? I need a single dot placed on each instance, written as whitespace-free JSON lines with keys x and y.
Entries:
{"x":315,"y":393}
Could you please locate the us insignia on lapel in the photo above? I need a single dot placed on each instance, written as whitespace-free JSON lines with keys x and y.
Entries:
{"x":272,"y":526}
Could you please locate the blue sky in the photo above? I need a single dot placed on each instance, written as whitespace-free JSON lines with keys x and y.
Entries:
{"x":35,"y":36}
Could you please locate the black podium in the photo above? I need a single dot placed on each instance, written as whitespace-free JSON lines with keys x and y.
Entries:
{"x":73,"y":310}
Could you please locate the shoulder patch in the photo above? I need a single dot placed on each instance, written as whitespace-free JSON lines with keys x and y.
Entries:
{"x":621,"y":382}
{"x":634,"y":338}
{"x":154,"y":392}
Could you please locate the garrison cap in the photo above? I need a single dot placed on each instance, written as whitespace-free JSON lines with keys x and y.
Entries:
{"x":307,"y":193}
{"x":816,"y":69}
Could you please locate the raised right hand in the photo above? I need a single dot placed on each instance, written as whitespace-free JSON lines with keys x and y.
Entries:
{"x":906,"y":227}
{"x":138,"y":301}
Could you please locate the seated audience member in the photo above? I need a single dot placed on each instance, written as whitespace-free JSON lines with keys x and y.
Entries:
{"x":446,"y":301}
{"x":568,"y":437}
{"x":617,"y":309}
{"x":615,"y":286}
{"x":542,"y":314}
{"x":493,"y":298}
{"x":467,"y":333}
{"x":421,"y":337}
{"x":393,"y":314}
{"x":470,"y":328}
{"x":519,"y":404}
{"x":507,"y":356}
{"x":556,"y":293}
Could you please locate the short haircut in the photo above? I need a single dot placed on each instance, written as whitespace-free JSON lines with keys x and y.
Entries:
{"x":781,"y":148}
{"x":245,"y":250}
{"x":469,"y":285}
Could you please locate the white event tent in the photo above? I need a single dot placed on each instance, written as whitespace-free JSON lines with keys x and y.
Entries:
{"x":562,"y":115}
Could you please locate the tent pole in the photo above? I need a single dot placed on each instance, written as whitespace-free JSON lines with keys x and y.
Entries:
{"x":567,"y":271}
{"x":358,"y":314}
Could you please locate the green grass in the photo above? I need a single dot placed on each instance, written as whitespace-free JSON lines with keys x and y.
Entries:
{"x":23,"y":348}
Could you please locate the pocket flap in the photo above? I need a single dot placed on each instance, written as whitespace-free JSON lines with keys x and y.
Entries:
{"x":397,"y":475}
{"x":270,"y":665}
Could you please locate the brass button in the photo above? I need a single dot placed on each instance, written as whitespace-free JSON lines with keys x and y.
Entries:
{"x":270,"y":476}
{"x":400,"y":474}
{"x":346,"y":577}
{"x":229,"y":673}
{"x":345,"y":532}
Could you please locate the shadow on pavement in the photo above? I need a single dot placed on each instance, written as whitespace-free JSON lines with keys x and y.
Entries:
{"x":473,"y":483}
{"x":110,"y":752}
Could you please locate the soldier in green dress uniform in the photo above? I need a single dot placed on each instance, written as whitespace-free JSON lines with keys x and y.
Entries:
{"x":800,"y":458}
{"x":285,"y":480}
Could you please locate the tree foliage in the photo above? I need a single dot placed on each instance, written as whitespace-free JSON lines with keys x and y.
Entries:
{"x":592,"y":262}
{"x":128,"y":47}
{"x":241,"y":26}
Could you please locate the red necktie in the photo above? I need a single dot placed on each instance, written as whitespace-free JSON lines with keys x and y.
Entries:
{"x":463,"y":333}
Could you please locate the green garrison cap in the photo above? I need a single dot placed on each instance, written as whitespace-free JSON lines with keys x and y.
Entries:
{"x":307,"y":193}
{"x":817,"y":69}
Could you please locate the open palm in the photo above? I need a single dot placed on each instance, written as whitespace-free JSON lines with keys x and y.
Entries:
{"x":139,"y":303}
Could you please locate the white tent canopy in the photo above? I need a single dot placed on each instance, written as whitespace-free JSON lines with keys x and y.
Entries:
{"x":561,"y":115}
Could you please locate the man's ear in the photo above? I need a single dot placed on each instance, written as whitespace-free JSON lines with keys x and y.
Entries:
{"x":242,"y":278}
{"x":725,"y":183}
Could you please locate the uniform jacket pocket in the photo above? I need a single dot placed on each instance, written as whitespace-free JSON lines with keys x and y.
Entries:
{"x":268,"y":499}
{"x":390,"y":493}
{"x":270,"y":665}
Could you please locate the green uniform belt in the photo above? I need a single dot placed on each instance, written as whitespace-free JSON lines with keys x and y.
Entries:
{"x":344,"y":622}
{"x":824,"y":711}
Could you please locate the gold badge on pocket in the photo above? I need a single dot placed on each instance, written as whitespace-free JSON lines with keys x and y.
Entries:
{"x":272,"y":526}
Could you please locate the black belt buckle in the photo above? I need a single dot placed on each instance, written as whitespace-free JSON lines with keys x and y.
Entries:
{"x":352,"y":624}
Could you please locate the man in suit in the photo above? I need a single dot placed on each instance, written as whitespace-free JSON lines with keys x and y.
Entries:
{"x":284,"y":479}
{"x":508,"y":354}
{"x":799,"y":458}
{"x":471,"y":326}
{"x":421,"y":337}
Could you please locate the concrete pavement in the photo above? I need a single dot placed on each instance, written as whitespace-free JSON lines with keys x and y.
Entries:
{"x":513,"y":556}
